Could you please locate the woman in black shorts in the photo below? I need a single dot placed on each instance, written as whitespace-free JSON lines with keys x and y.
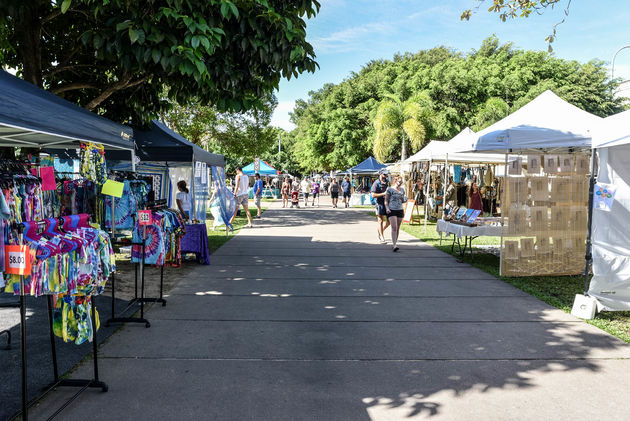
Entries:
{"x":394,"y":199}
{"x":334,"y":192}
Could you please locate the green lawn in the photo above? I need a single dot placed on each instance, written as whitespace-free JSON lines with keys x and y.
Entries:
{"x":558,"y":291}
{"x":217,"y":238}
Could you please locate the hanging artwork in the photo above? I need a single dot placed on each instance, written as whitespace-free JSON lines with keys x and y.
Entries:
{"x":539,"y":218}
{"x":604,"y":197}
{"x":582,"y":164}
{"x":534,"y":164}
{"x":540,"y":188}
{"x":566,"y":164}
{"x":515,"y":166}
{"x":551,"y":164}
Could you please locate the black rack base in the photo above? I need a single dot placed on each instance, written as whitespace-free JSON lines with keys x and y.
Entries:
{"x":8,"y":333}
{"x":128,"y":320}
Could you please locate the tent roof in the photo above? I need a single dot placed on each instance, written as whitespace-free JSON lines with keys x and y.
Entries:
{"x":461,"y":142}
{"x":613,"y":131}
{"x":425,"y":154}
{"x":369,"y":166}
{"x":160,"y":143}
{"x":33,"y":117}
{"x":265,"y":169}
{"x":547,"y":122}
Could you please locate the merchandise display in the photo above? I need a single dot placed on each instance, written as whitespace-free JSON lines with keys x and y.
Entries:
{"x":545,"y":218}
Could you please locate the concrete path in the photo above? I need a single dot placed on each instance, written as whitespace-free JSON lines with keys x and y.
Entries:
{"x":307,"y":317}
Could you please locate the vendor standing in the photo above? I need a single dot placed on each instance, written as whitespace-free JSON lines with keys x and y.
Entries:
{"x":184,"y":202}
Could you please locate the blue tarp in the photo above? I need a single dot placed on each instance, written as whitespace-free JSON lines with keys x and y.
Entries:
{"x":161,"y":144}
{"x":265,"y":169}
{"x":33,"y":117}
{"x":369,"y":166}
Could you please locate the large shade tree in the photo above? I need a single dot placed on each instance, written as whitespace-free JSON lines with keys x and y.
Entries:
{"x":117,"y":56}
{"x":398,"y":122}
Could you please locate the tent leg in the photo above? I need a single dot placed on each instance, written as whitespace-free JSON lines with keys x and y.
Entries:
{"x":589,"y":245}
{"x":133,"y":161}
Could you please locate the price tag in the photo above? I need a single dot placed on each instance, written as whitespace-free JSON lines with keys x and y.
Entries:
{"x":144,"y":217}
{"x":17,"y":260}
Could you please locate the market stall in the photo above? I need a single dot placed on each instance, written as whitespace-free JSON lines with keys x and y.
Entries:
{"x":361,"y":178}
{"x":610,"y":284}
{"x":544,"y":212}
{"x":45,"y":210}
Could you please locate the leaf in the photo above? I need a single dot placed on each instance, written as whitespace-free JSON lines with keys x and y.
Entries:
{"x":234,"y":9}
{"x":156,"y":55}
{"x":123,"y":25}
{"x":225,"y":10}
{"x":195,"y":41}
{"x":133,"y":35}
{"x":201,"y":66}
{"x":65,"y":5}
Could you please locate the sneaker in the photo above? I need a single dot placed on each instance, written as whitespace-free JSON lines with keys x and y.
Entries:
{"x":395,"y":249}
{"x":249,"y":226}
{"x":378,"y":234}
{"x":257,"y":216}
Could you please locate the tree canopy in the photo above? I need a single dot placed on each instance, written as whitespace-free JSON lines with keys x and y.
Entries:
{"x":335,"y":123}
{"x":117,"y":56}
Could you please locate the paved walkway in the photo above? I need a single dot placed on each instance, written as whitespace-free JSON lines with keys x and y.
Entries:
{"x":306,"y":317}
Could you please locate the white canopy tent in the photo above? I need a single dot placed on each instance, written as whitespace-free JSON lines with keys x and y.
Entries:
{"x":453,"y":151}
{"x":425,"y":154}
{"x":547,"y":122}
{"x":610,"y":284}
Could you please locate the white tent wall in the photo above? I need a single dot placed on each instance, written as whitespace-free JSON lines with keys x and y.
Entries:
{"x":610,"y":284}
{"x":177,"y":174}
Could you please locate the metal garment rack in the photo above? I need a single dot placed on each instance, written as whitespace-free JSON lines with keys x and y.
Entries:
{"x":139,"y":266}
{"x":83,"y":384}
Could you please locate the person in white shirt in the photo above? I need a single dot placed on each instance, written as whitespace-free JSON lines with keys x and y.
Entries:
{"x":306,"y":190}
{"x":184,"y":202}
{"x":241,"y":194}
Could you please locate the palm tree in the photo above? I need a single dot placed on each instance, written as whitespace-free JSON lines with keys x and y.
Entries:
{"x":397,"y":121}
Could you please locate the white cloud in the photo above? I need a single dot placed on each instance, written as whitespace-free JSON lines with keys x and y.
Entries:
{"x":350,"y":39}
{"x":280,"y":117}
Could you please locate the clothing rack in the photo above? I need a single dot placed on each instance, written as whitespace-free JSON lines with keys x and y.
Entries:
{"x":83,"y":384}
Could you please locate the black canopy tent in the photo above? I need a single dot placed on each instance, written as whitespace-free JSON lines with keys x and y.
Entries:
{"x":162,"y":144}
{"x":34,"y":118}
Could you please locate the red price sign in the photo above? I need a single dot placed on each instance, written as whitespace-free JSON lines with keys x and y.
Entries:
{"x":144,"y":217}
{"x":17,"y":259}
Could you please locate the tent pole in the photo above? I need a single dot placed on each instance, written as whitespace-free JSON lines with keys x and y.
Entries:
{"x":133,"y":160}
{"x":426,"y":199}
{"x":192,"y":189}
{"x":444,"y":184}
{"x":505,"y":180}
{"x":589,"y":226}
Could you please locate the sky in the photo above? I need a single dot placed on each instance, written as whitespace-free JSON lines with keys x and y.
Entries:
{"x":347,"y":34}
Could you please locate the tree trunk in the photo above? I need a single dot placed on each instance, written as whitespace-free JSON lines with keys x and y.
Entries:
{"x":404,"y":150}
{"x":28,"y":29}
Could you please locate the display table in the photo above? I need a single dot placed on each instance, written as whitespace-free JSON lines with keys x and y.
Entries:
{"x":196,"y":241}
{"x":469,"y":233}
{"x":359,"y":199}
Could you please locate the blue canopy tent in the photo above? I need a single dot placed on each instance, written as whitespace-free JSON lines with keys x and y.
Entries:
{"x":265,"y":169}
{"x":31,"y":117}
{"x":368,"y":167}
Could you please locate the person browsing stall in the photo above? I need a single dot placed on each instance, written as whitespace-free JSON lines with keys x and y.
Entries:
{"x":378,"y":191}
{"x":184,"y":202}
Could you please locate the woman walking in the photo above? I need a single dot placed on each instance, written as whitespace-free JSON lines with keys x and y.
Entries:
{"x":394,"y":199}
{"x":285,"y":191}
{"x":334,"y":192}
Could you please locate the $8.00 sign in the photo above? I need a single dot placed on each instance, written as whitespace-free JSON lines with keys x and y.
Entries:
{"x":144,"y":217}
{"x":17,"y":260}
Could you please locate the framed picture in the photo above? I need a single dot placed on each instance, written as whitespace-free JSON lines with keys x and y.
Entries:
{"x":467,"y":215}
{"x":515,"y":166}
{"x":517,"y":190}
{"x":527,"y":248}
{"x":559,"y":218}
{"x":471,"y":219}
{"x":566,"y":164}
{"x":539,"y":219}
{"x":551,"y":164}
{"x":540,"y":188}
{"x":534,"y":164}
{"x":582,"y":164}
{"x":460,"y":212}
{"x":559,"y":189}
